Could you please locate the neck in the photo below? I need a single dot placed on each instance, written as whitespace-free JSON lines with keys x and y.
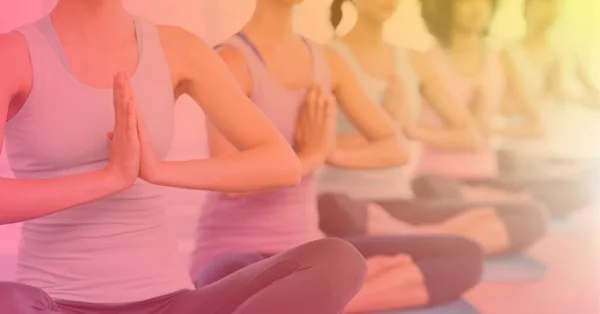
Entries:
{"x":91,"y":20}
{"x":272,"y":20}
{"x":465,"y":42}
{"x":367,"y":32}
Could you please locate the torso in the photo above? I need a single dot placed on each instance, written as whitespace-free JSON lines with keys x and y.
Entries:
{"x":273,"y":221}
{"x":464,"y":165}
{"x":98,"y":252}
{"x":390,"y":183}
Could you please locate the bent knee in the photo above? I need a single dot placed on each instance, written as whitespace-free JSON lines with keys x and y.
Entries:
{"x":224,"y":265}
{"x":454,"y":272}
{"x":339,"y":258}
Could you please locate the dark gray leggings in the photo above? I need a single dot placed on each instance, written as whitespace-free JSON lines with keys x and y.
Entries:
{"x":450,"y":265}
{"x":341,"y":216}
{"x":320,"y":277}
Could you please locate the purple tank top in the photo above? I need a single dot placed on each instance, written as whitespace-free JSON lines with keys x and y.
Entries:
{"x":456,"y":164}
{"x":276,"y":220}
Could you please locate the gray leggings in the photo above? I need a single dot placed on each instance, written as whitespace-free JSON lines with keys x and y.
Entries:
{"x":341,"y":216}
{"x":450,"y":265}
{"x":320,"y":277}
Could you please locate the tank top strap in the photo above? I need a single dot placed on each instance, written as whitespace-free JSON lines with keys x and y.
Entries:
{"x":43,"y":66}
{"x":250,"y":53}
{"x":345,"y":52}
{"x":148,"y":36}
{"x":321,"y":71}
{"x":409,"y":78}
{"x":38,"y":45}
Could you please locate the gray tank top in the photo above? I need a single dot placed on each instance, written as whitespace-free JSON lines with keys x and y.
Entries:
{"x":117,"y":249}
{"x":389,"y":183}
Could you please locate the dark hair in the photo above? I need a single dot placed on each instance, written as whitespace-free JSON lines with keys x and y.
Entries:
{"x":336,"y":12}
{"x":438,"y":14}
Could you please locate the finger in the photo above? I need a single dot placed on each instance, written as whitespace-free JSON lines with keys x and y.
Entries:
{"x":312,"y":103}
{"x":134,"y":115}
{"x":333,"y":106}
{"x":117,"y":99}
{"x":322,"y":107}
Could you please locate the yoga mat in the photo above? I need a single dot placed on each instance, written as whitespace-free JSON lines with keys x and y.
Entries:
{"x":8,"y":268}
{"x":514,"y":269}
{"x":458,"y":307}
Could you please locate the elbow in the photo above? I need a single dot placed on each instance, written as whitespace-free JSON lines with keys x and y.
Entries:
{"x":399,"y":152}
{"x":474,"y":141}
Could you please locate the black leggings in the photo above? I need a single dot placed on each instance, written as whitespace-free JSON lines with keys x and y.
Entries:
{"x":559,"y":197}
{"x":450,"y":265}
{"x":321,"y":277}
{"x":341,"y":216}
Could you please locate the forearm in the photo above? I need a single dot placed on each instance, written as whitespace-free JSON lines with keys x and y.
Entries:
{"x":525,"y":131}
{"x":24,"y":199}
{"x":446,"y":139}
{"x":373,"y":155}
{"x":263,"y":167}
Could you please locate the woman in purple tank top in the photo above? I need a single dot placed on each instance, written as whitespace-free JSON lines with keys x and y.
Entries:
{"x":292,"y":80}
{"x":500,"y":227}
{"x":95,"y":239}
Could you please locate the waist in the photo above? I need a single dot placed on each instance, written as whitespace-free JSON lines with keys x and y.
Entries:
{"x":368,"y":184}
{"x":106,"y":263}
{"x":275,"y":212}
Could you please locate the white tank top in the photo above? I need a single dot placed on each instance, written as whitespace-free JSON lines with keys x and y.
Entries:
{"x":392,"y":183}
{"x":117,"y":249}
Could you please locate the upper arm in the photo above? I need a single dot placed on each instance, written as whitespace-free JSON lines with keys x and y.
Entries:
{"x":516,"y":86}
{"x":218,"y":144}
{"x":14,"y":59}
{"x":367,"y":116}
{"x":210,"y":81}
{"x":437,"y":92}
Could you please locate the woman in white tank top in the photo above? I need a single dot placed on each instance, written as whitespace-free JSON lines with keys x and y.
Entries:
{"x":95,"y":237}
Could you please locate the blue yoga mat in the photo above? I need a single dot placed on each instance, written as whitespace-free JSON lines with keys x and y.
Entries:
{"x":514,"y":269}
{"x":458,"y":307}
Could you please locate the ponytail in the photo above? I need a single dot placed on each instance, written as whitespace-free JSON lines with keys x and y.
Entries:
{"x":336,"y":13}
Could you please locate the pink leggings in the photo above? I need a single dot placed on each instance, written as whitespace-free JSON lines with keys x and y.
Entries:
{"x":317,"y":278}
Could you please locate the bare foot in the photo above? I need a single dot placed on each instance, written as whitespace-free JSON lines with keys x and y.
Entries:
{"x":380,"y":222}
{"x":381,"y":263}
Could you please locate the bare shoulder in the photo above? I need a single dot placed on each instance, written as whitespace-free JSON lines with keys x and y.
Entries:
{"x":333,"y":56}
{"x":14,"y":57}
{"x":181,"y":42}
{"x":16,"y":76}
{"x":187,"y":54}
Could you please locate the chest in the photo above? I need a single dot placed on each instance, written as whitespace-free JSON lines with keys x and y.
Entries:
{"x":64,"y":123}
{"x":378,"y":64}
{"x":291,"y":66}
{"x":96,"y":65}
